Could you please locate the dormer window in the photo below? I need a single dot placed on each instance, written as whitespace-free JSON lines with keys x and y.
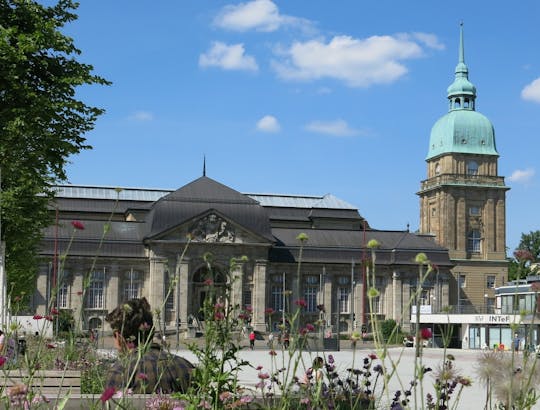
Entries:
{"x":472,"y":168}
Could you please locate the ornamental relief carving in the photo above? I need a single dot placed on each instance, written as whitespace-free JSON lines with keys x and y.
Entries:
{"x":212,"y":228}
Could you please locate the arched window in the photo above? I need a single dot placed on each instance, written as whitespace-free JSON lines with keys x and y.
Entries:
{"x":437,"y":168}
{"x":474,"y":241}
{"x":472,"y":168}
{"x":466,"y":103}
{"x":457,"y":103}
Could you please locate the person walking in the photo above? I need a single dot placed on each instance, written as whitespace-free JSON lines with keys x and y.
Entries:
{"x":252,"y":340}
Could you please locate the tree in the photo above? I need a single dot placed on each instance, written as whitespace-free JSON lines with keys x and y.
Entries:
{"x":531,"y":242}
{"x":527,"y":253}
{"x":42,"y":124}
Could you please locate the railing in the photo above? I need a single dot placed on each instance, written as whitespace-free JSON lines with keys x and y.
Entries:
{"x":460,"y":179}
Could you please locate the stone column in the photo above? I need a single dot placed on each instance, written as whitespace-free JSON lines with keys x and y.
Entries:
{"x":157,"y":281}
{"x":237,"y":281}
{"x":75,"y":298}
{"x":397,"y":303}
{"x":259,"y":295}
{"x":183,"y":295}
{"x":112,"y":279}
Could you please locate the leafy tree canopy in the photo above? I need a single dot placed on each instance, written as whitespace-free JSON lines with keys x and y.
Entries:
{"x":527,"y":253}
{"x":42,"y":123}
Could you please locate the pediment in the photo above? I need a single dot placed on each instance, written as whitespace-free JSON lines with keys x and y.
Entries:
{"x":212,"y":228}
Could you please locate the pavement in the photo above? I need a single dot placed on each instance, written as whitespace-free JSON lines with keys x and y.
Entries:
{"x":260,"y":359}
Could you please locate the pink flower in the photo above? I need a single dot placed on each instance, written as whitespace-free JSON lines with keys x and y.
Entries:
{"x":246,"y":399}
{"x":372,"y":356}
{"x":77,"y":225}
{"x":259,"y":367}
{"x":38,"y":317}
{"x":107,"y":394}
{"x":224,"y":396}
{"x":425,"y":333}
{"x":263,"y":376}
{"x":142,"y":376}
{"x":301,"y":303}
{"x":310,"y":327}
{"x":3,"y":360}
{"x":268,"y":311}
{"x":219,"y":316}
{"x":49,"y":318}
{"x":249,"y":309}
{"x":272,"y":353}
{"x":54,"y":311}
{"x":208,"y":282}
{"x":50,"y":346}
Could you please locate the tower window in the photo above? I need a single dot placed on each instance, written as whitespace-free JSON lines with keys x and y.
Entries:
{"x":474,"y":211}
{"x":457,"y":103}
{"x":472,"y":168}
{"x":437,"y":168}
{"x":466,"y":103}
{"x":473,"y":241}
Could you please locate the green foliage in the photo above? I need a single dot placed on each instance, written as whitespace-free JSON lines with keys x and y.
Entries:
{"x":42,"y":123}
{"x":388,"y":332}
{"x":531,"y":242}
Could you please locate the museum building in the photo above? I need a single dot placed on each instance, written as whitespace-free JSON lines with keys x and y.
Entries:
{"x":136,"y":241}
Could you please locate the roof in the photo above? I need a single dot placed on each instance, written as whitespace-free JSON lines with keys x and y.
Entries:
{"x":328,"y":245}
{"x":152,"y":195}
{"x":200,"y":197}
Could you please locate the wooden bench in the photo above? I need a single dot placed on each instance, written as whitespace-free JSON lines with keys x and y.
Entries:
{"x":45,"y":382}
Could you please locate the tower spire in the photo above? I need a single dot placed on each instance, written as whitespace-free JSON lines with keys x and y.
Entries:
{"x":461,"y":45}
{"x":204,"y":166}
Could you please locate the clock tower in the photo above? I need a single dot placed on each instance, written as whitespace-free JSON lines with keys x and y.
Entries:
{"x":463,"y":199}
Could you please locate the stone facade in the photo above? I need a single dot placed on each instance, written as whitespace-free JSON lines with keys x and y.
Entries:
{"x":158,"y":245}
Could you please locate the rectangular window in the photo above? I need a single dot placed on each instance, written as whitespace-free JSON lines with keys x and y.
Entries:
{"x":310,"y":296}
{"x":62,"y":298}
{"x":343,"y":299}
{"x":96,"y":290}
{"x":473,"y":241}
{"x":490,"y":281}
{"x":132,"y":285}
{"x":277,"y":298}
{"x":474,"y":211}
{"x":462,"y":283}
{"x":246,"y":298}
{"x":170,"y":290}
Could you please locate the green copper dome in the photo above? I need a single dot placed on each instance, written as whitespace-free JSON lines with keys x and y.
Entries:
{"x":462,"y":129}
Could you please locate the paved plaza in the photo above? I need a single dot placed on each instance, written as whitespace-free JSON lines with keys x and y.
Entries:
{"x":472,"y":397}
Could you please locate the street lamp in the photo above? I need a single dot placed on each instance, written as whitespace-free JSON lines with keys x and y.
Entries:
{"x":485,"y":302}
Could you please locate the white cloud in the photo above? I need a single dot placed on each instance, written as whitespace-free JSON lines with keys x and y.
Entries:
{"x":261,"y":15}
{"x":228,"y":57}
{"x":522,"y":176}
{"x":338,"y":128}
{"x":141,"y":116}
{"x":357,"y":62}
{"x":429,"y":40}
{"x":531,"y":91}
{"x":268,"y":123}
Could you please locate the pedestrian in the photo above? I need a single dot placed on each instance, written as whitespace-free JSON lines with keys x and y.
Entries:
{"x":517,"y":341}
{"x":252,"y":340}
{"x":314,"y":374}
{"x":271,"y":340}
{"x":143,"y":366}
{"x":286,"y":340}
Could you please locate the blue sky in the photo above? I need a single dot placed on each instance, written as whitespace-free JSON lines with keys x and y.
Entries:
{"x":306,"y":97}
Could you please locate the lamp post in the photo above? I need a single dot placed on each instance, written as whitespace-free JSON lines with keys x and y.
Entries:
{"x":485,"y":302}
